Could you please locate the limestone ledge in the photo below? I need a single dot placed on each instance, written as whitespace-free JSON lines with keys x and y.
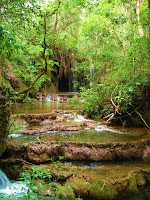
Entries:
{"x":41,"y":152}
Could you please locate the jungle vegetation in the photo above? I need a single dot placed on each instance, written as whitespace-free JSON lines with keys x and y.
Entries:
{"x":106,"y":41}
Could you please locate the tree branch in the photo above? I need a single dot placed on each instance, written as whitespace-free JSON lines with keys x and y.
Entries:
{"x":32,"y":85}
{"x":142,"y":119}
{"x":49,"y":15}
{"x":44,"y":53}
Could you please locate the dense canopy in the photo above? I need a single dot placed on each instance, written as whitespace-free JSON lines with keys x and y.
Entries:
{"x":98,"y":47}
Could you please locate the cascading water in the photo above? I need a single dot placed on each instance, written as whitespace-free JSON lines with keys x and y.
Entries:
{"x":48,"y":98}
{"x":3,"y":180}
{"x":91,"y":75}
{"x":41,"y":98}
{"x":15,"y":189}
{"x":58,"y":98}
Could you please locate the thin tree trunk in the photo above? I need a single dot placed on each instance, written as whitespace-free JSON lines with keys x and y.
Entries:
{"x":141,"y":32}
{"x":149,"y":16}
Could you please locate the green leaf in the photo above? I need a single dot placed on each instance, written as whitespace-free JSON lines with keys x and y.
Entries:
{"x":34,"y":188}
{"x":138,"y":83}
{"x":100,"y":85}
{"x":50,"y":68}
{"x":38,"y":63}
{"x":42,"y":60}
{"x":47,"y":52}
{"x":47,"y":77}
{"x":56,"y":193}
{"x":51,"y":52}
{"x":131,"y":89}
{"x":51,"y":62}
{"x":56,"y":63}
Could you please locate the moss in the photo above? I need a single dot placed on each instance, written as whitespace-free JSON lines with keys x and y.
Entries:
{"x":140,"y":179}
{"x":132,"y":186}
{"x":143,"y":194}
{"x":102,"y":189}
{"x":80,"y":185}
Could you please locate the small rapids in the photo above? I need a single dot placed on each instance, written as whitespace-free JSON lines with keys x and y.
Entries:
{"x":7,"y":188}
{"x":17,"y":190}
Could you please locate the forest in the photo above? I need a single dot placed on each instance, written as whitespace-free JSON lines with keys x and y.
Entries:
{"x":104,"y":44}
{"x":96,"y":50}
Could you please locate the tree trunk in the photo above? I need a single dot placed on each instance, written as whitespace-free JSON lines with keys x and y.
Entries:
{"x":141,"y":33}
{"x":4,"y":120}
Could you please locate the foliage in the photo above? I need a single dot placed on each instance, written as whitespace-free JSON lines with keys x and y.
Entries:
{"x":103,"y":34}
{"x":121,"y":58}
{"x":95,"y":100}
{"x":37,"y":175}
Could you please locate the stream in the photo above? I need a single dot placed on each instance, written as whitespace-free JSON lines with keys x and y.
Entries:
{"x":95,"y":133}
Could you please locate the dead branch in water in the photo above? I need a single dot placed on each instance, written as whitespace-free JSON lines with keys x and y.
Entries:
{"x":142,"y":119}
{"x":116,"y":110}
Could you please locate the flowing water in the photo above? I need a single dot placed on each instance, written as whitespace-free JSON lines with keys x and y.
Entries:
{"x":13,"y":189}
{"x":16,"y":190}
{"x":98,"y":134}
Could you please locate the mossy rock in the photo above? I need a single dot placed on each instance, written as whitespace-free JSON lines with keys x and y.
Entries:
{"x":80,"y":186}
{"x":102,"y":189}
{"x":140,"y":179}
{"x":132,"y":186}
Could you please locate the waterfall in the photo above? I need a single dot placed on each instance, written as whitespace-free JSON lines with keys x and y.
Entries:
{"x":7,"y":188}
{"x":91,"y":74}
{"x":57,"y":98}
{"x":3,"y":179}
{"x":48,"y":98}
{"x":41,"y":98}
{"x":73,"y":81}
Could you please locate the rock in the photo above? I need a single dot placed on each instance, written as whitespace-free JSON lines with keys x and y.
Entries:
{"x":40,"y":152}
{"x":36,"y":119}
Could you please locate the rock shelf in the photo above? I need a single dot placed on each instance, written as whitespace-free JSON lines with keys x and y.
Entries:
{"x":42,"y":152}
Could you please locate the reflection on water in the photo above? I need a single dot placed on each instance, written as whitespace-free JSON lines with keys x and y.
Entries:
{"x":105,"y":170}
{"x":111,"y":169}
{"x":81,"y":136}
{"x":38,"y":107}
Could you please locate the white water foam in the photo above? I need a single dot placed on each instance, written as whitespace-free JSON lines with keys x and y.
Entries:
{"x":41,"y":98}
{"x":18,"y":189}
{"x":103,"y":128}
{"x":80,"y":118}
{"x":48,"y":98}
{"x":58,"y":98}
{"x":15,"y":135}
{"x":8,"y":188}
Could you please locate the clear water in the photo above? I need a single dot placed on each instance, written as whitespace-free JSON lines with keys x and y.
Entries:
{"x":106,"y":170}
{"x":38,"y":107}
{"x":82,"y":136}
